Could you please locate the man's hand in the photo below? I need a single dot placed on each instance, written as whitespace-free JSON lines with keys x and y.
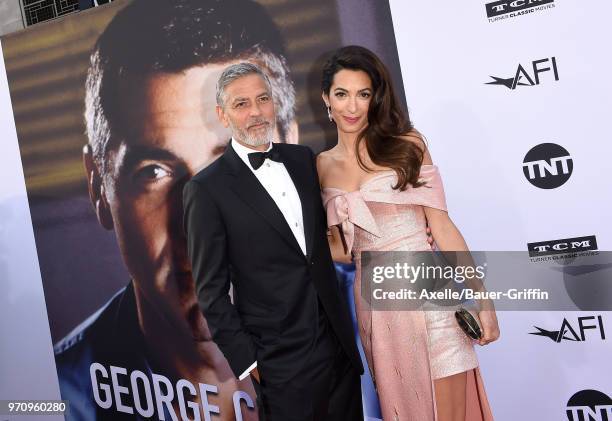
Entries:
{"x":255,"y":374}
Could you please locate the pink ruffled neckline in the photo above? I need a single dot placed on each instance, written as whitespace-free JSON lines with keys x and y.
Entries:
{"x":383,"y":173}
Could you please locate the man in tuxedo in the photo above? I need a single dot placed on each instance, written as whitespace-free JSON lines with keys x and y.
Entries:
{"x":255,"y":217}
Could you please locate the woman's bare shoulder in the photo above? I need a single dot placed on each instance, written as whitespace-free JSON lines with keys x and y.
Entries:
{"x":416,"y":138}
{"x":327,"y":159}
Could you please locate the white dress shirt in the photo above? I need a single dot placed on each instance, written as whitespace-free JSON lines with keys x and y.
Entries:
{"x":274,"y":177}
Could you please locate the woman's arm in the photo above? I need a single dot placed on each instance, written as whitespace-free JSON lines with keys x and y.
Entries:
{"x":443,"y":230}
{"x":448,"y":238}
{"x":446,"y":234}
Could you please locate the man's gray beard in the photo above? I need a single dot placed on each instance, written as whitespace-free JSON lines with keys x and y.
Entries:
{"x":244,"y":137}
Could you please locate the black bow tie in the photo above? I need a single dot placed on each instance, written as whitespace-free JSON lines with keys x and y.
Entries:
{"x":257,"y":158}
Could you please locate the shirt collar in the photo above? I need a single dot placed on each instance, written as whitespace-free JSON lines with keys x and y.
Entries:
{"x":243,"y":152}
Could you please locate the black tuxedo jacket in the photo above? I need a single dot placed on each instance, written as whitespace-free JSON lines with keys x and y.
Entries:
{"x":235,"y":232}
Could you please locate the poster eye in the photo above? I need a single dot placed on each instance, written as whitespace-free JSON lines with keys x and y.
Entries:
{"x":152,"y":173}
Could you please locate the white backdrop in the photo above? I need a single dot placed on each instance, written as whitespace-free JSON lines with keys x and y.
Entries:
{"x":479,"y":135}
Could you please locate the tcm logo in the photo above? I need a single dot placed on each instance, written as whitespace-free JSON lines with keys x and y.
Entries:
{"x":522,"y":77}
{"x":568,"y":333}
{"x":548,"y":165}
{"x":589,"y":405}
{"x":504,"y":9}
{"x":563,"y":246}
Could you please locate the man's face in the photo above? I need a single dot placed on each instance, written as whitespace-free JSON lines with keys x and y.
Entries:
{"x":173,"y":133}
{"x":248,"y":110}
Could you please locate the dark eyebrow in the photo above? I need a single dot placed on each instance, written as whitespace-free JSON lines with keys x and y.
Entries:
{"x":340,"y":89}
{"x":138,"y":153}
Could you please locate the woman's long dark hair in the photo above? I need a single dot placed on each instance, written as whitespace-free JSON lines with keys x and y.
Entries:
{"x":387,"y":123}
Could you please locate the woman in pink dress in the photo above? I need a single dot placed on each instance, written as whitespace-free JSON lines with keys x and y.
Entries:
{"x":381,"y":190}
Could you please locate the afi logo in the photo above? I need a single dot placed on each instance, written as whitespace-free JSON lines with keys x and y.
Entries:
{"x":567,"y":333}
{"x":547,"y":165}
{"x":523,"y":78}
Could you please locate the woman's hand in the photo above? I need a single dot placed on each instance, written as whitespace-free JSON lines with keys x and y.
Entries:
{"x":489,"y":326}
{"x":337,"y":246}
{"x":430,"y":239}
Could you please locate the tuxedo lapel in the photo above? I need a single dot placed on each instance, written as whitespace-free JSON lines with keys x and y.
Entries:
{"x":297,"y":170}
{"x":250,"y":190}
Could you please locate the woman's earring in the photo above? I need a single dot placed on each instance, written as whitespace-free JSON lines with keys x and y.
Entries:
{"x":329,"y":113}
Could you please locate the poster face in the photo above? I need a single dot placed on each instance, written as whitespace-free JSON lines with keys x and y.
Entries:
{"x":115,"y":110}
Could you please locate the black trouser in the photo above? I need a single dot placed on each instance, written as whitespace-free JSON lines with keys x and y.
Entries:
{"x":327,"y":389}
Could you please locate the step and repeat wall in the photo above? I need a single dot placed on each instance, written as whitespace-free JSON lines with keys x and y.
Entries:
{"x":511,"y":96}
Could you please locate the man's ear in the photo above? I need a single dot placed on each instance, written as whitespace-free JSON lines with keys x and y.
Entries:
{"x":222,"y":117}
{"x":95,"y":186}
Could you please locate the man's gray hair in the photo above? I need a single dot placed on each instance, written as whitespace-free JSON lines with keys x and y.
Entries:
{"x":236,"y":71}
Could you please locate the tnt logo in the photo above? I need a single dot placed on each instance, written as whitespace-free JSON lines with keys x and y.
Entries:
{"x":522,"y":76}
{"x":589,"y":405}
{"x":547,"y":165}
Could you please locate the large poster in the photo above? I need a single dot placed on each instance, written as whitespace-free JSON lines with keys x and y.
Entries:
{"x":114,"y":111}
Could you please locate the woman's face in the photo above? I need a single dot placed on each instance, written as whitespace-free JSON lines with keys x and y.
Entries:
{"x":349,"y":99}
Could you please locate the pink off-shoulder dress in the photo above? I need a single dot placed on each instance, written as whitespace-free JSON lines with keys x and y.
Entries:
{"x":406,"y":350}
